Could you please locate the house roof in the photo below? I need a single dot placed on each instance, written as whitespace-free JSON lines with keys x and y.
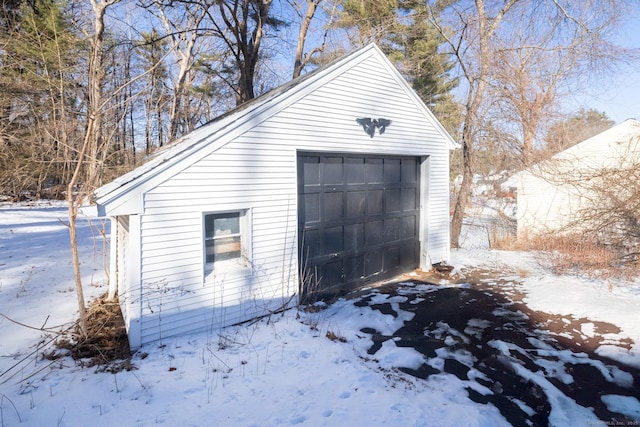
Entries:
{"x":218,"y":131}
{"x":623,"y":133}
{"x":594,"y":148}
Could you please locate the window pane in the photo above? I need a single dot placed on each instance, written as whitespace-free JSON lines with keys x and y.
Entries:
{"x":225,"y":224}
{"x":222,"y":237}
{"x":223,"y":249}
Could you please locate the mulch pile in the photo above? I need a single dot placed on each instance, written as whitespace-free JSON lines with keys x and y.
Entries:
{"x":106,"y":343}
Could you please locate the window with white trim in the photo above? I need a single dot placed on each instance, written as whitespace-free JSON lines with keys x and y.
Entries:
{"x":226,"y":241}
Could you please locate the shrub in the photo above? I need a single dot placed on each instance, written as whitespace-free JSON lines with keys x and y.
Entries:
{"x":577,"y":254}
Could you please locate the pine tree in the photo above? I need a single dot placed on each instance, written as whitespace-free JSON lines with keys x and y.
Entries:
{"x":38,"y":96}
{"x":401,"y":30}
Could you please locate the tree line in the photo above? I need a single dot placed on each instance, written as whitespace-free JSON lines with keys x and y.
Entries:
{"x":89,"y":88}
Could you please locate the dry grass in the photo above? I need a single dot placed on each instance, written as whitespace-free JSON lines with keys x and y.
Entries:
{"x":106,"y":343}
{"x":333,"y":337}
{"x":502,"y":235}
{"x":502,"y":242}
{"x":575,"y":254}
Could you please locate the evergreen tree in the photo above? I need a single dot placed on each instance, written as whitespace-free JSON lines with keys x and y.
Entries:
{"x":38,"y":99}
{"x":401,"y":30}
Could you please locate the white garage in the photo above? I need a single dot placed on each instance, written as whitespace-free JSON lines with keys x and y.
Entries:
{"x":341,"y":175}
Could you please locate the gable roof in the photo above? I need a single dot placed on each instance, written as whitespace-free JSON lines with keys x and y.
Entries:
{"x":622,"y":134}
{"x":609,"y":148}
{"x":222,"y":129}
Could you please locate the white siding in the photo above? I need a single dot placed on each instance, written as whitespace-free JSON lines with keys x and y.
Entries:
{"x":256,"y":171}
{"x":542,"y":206}
{"x":548,"y":202}
{"x":263,"y":181}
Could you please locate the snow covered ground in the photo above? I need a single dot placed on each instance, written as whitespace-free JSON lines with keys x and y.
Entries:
{"x":276,"y":372}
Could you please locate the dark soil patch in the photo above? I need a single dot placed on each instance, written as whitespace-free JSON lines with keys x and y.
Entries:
{"x":522,"y":358}
{"x":106,"y":343}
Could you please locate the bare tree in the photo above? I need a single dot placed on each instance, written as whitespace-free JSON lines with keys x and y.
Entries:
{"x":470,"y":44}
{"x":87,"y":167}
{"x":542,"y":55}
{"x":509,"y":82}
{"x":240,"y":25}
{"x":155,"y":97}
{"x":302,"y":58}
{"x":183,"y":29}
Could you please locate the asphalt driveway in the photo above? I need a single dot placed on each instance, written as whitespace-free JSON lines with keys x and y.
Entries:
{"x":525,"y":363}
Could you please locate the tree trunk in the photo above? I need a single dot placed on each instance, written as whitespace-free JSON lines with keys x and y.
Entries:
{"x":300,"y":61}
{"x":87,"y":163}
{"x":249,"y":51}
{"x":73,"y":214}
{"x":464,"y":194}
{"x":73,"y":203}
{"x":477,"y":85}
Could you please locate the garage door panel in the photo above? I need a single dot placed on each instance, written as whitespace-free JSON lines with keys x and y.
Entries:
{"x":375,"y":202}
{"x":408,"y":227}
{"x":333,"y":207}
{"x":391,"y":258}
{"x":333,"y":242}
{"x":311,"y":168}
{"x":392,"y":198}
{"x":354,"y":170}
{"x":332,"y":272}
{"x":409,"y":199}
{"x":409,"y":253}
{"x":358,"y":218}
{"x":333,"y":170}
{"x":354,"y":268}
{"x":374,"y":171}
{"x":311,"y":207}
{"x":392,"y":171}
{"x":353,"y":237}
{"x":355,"y":203}
{"x":372,"y":263}
{"x":409,"y":172}
{"x":391,"y":230}
{"x":373,"y":233}
{"x":311,"y":244}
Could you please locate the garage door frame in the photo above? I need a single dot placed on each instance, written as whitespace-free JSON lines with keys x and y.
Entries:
{"x":337,"y":247}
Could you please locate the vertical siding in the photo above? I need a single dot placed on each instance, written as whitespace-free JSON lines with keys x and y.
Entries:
{"x":257,"y":171}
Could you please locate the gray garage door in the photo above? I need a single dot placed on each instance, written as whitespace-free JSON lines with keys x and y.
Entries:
{"x":358,"y":219}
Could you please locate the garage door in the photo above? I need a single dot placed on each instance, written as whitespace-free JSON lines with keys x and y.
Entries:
{"x":358,"y":219}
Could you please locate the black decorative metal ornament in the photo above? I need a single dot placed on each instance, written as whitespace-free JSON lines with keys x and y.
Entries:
{"x":370,"y":125}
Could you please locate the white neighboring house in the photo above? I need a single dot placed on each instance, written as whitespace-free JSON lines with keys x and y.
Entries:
{"x":553,"y":193}
{"x":342,"y":173}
